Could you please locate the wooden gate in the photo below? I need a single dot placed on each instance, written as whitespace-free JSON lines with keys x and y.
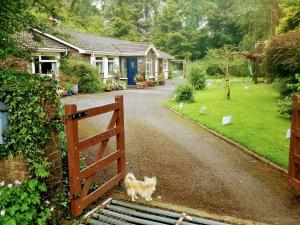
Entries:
{"x":294,"y":157}
{"x":80,"y":193}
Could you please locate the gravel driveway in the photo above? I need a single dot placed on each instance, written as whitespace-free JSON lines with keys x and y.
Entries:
{"x":193,"y":167}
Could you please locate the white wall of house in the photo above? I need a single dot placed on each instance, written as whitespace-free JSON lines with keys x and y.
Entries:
{"x":105,"y":67}
{"x":166,"y":68}
{"x":156,"y":68}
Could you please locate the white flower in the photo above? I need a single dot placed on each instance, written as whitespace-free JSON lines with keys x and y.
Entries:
{"x":18,"y":182}
{"x":47,"y":202}
{"x":2,"y":183}
{"x":2,"y":212}
{"x":9,"y":185}
{"x":52,"y":209}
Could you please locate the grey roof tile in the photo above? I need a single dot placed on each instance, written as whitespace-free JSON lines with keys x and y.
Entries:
{"x":90,"y":42}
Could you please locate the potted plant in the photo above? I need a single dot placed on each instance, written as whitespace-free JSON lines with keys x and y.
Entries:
{"x":110,"y":84}
{"x":74,"y":81}
{"x":69,"y":87}
{"x":139,"y":79}
{"x":161,"y":79}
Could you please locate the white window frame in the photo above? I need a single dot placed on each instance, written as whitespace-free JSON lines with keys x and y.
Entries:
{"x":149,"y":62}
{"x":45,"y":61}
{"x":98,"y":61}
{"x":165,"y":65}
{"x":111,"y":60}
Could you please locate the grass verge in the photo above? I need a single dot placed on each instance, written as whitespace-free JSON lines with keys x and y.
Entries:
{"x":256,"y":124}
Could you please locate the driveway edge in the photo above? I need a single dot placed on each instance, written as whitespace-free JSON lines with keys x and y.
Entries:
{"x":244,"y":149}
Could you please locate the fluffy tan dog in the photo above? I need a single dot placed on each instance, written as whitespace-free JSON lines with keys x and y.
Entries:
{"x":142,"y":188}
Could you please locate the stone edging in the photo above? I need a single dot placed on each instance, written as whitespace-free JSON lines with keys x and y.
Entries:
{"x":244,"y":149}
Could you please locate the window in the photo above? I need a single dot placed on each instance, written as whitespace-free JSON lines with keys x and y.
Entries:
{"x":148,"y":68}
{"x":123,"y":67}
{"x":111,"y":66}
{"x":45,"y":65}
{"x":99,"y":65}
{"x":165,"y":65}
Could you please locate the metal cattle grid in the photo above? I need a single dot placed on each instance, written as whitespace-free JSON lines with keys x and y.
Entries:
{"x":115,"y":212}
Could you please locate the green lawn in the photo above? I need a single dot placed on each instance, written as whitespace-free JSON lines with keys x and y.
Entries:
{"x":256,"y":124}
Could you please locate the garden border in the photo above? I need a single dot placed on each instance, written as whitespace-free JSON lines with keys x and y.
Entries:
{"x":242,"y":148}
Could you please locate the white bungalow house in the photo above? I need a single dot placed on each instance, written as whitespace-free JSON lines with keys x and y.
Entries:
{"x":107,"y":54}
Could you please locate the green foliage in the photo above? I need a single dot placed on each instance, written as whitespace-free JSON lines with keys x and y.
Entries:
{"x":24,"y":204}
{"x":196,"y":75}
{"x":28,"y":133}
{"x":285,"y":106}
{"x":17,"y":16}
{"x":287,"y":87}
{"x":161,"y":77}
{"x":88,"y":76}
{"x":139,"y":78}
{"x":184,"y":92}
{"x":291,"y":16}
{"x":28,"y":126}
{"x":282,"y":56}
{"x":256,"y":20}
{"x":110,"y":84}
{"x":226,"y":61}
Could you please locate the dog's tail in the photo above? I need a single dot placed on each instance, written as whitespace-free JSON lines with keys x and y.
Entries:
{"x":129,"y":177}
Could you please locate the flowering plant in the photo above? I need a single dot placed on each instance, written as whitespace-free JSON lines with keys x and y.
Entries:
{"x":22,"y":203}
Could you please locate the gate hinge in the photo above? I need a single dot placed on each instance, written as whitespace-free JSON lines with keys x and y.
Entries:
{"x":77,"y":115}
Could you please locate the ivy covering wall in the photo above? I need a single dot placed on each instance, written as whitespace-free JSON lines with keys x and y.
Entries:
{"x":34,"y":114}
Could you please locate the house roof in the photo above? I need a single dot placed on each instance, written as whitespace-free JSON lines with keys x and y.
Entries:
{"x":36,"y":41}
{"x":49,"y":43}
{"x":88,"y":43}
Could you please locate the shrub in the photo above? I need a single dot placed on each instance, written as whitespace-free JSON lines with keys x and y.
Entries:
{"x":285,"y":106}
{"x":88,"y":76}
{"x":197,"y":75}
{"x":184,"y":92}
{"x":110,"y":84}
{"x":23,"y":203}
{"x":283,"y":55}
{"x":213,"y":70}
{"x":240,"y":70}
{"x":139,"y":78}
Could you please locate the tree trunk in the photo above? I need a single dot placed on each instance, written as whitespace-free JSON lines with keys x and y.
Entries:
{"x":227,"y":88}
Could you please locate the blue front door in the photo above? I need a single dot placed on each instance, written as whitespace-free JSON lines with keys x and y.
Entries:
{"x":131,"y":69}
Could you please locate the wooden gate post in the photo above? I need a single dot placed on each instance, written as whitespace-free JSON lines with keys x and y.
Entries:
{"x":121,"y":136}
{"x":294,"y":156}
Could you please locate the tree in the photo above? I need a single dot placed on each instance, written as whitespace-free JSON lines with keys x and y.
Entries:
{"x":291,"y":17}
{"x":17,"y":16}
{"x":225,"y":58}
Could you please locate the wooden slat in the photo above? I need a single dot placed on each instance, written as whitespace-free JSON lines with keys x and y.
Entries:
{"x":73,"y":155}
{"x":84,"y":144}
{"x":84,"y":202}
{"x":294,"y":183}
{"x":102,"y":163}
{"x":296,"y":132}
{"x":97,"y":110}
{"x":100,"y":154}
{"x":296,"y":106}
{"x":296,"y":159}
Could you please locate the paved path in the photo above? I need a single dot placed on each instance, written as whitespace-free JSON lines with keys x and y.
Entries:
{"x":193,"y":167}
